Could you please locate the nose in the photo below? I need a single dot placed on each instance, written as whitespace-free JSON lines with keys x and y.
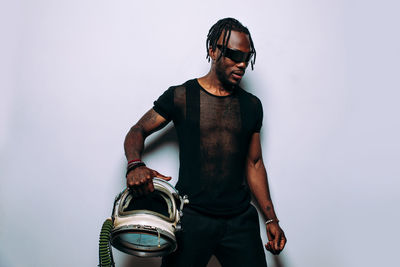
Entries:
{"x":242,"y":65}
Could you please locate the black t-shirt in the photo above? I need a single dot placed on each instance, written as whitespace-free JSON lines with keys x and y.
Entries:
{"x":213,"y":134}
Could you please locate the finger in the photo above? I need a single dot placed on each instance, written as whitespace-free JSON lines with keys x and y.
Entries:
{"x":276,"y":243}
{"x":279,"y":244}
{"x":272,"y":246}
{"x":147,"y":177}
{"x":150,"y":186}
{"x":268,"y":246}
{"x":145,"y":189}
{"x":159,"y":175}
{"x":282,"y":243}
{"x":139,"y":191}
{"x":129,"y":181}
{"x":269,"y":235}
{"x":130,"y":184}
{"x":133,"y":191}
{"x":273,"y":249}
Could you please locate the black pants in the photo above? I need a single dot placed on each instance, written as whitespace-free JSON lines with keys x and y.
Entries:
{"x":235,"y":241}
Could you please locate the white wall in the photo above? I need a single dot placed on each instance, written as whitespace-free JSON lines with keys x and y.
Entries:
{"x":75,"y":75}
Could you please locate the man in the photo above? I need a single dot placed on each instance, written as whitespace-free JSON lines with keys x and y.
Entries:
{"x":218,"y":127}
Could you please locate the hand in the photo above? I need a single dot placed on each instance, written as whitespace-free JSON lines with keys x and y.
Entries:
{"x":276,"y":237}
{"x":140,"y":180}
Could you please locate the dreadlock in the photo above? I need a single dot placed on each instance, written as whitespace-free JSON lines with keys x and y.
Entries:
{"x":225,"y":26}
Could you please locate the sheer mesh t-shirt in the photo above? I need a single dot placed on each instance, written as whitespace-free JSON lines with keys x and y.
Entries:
{"x":213,"y":134}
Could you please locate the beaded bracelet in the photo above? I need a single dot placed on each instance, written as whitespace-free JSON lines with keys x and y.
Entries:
{"x":271,"y":220}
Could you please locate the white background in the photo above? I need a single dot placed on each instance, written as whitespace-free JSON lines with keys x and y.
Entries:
{"x":76,"y":75}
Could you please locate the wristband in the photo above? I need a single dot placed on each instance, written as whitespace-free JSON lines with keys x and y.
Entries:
{"x":271,"y":220}
{"x":133,"y":164}
{"x":134,"y":160}
{"x":131,"y":167}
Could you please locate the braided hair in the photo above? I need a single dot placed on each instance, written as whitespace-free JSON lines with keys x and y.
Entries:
{"x":225,"y":26}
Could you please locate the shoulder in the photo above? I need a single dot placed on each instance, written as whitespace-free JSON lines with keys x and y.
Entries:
{"x":248,"y":97}
{"x":252,"y":105}
{"x":188,"y":83}
{"x":180,"y":88}
{"x":175,"y":96}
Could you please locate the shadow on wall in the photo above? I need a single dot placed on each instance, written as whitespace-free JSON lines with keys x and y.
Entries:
{"x":168,"y":136}
{"x":278,"y":261}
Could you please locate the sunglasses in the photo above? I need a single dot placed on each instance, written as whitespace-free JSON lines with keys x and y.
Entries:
{"x":236,"y":55}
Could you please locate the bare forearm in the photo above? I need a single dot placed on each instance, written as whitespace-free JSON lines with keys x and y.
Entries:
{"x":134,"y":140}
{"x":139,"y":177}
{"x":258,"y":183}
{"x":134,"y":143}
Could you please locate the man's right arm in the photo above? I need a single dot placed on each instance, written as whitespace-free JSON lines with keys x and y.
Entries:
{"x":141,"y":178}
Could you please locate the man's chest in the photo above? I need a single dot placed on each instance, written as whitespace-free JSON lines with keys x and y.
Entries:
{"x":220,"y":115}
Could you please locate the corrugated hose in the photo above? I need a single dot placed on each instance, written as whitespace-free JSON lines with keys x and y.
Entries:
{"x":105,"y":251}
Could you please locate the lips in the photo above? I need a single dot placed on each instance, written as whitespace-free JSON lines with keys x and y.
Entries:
{"x":237,"y":74}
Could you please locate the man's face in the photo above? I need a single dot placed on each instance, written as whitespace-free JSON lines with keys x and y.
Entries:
{"x":230,"y":72}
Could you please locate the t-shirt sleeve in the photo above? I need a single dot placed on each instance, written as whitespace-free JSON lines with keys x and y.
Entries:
{"x":164,"y":105}
{"x":259,"y":116}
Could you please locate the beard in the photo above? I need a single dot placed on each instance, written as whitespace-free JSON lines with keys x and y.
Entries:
{"x":223,"y":77}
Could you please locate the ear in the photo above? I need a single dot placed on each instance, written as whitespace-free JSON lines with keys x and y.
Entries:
{"x":213,"y":53}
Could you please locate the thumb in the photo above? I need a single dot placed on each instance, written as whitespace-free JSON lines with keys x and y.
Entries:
{"x":159,"y":175}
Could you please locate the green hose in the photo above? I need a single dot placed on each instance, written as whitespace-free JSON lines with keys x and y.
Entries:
{"x":105,"y":251}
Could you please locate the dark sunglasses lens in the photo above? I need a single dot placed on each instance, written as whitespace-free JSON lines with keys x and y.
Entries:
{"x":238,"y":56}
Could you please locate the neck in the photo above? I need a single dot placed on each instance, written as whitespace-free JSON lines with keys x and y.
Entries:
{"x":213,"y":85}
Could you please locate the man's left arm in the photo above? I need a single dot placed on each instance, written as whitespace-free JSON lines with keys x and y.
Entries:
{"x":258,"y":183}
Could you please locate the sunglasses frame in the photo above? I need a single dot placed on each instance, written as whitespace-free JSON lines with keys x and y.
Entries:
{"x":235,"y":55}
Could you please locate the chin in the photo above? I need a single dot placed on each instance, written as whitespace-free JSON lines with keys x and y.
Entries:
{"x":231,"y":83}
{"x":235,"y":82}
